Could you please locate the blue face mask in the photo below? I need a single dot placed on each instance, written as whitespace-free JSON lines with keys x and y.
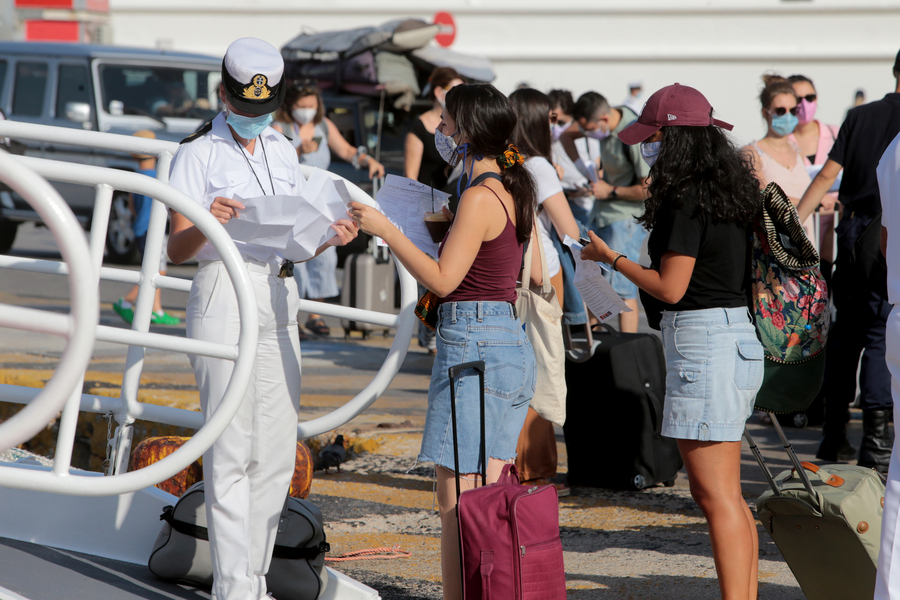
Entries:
{"x":248,"y":128}
{"x":785,"y":124}
{"x":650,"y":152}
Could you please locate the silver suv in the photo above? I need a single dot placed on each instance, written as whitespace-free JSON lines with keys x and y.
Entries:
{"x":100,"y":88}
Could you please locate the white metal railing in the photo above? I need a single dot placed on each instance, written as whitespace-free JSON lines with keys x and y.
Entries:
{"x":78,"y":327}
{"x":126,"y":408}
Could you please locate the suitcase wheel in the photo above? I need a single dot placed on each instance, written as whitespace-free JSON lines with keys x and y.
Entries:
{"x":639,"y":482}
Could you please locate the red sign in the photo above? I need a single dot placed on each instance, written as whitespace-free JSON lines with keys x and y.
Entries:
{"x":45,"y":4}
{"x":448,"y":29}
{"x":52,"y":31}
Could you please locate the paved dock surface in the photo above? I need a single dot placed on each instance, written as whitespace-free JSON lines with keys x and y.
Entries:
{"x":618,"y":545}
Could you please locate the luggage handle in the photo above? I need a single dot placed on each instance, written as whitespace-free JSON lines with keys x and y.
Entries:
{"x":762,"y":464}
{"x":827,"y":477}
{"x":454,"y":372}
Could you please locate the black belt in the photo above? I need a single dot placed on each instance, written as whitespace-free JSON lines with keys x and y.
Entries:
{"x":287,"y":270}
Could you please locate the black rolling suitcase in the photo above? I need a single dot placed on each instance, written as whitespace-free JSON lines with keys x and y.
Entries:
{"x":614,"y":410}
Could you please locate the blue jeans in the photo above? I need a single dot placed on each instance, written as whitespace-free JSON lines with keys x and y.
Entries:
{"x":573,"y":305}
{"x":469,"y":331}
{"x":625,"y":237}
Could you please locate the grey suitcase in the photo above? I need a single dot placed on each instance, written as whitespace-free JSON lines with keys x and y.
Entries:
{"x":368,"y":284}
{"x":826,"y":521}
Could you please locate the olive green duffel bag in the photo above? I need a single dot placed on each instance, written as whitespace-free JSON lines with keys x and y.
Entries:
{"x":826,"y":521}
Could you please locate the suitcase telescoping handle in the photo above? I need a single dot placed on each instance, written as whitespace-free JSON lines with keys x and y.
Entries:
{"x":798,"y":466}
{"x":454,"y":372}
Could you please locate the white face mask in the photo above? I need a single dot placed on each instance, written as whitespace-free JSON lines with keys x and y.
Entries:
{"x":446,"y":146}
{"x":597,"y":134}
{"x":650,"y":152}
{"x":557,"y":130}
{"x":303,"y":115}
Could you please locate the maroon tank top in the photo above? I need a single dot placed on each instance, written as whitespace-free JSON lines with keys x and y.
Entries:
{"x":493,"y":275}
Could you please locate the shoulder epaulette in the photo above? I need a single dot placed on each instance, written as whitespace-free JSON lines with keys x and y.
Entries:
{"x":198,"y":134}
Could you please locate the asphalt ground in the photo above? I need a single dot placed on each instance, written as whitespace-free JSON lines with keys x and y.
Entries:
{"x":623,"y":545}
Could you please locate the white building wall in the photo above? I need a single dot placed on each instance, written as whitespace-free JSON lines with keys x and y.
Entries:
{"x":719,"y":46}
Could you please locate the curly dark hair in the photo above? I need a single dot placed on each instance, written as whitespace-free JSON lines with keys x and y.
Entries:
{"x":703,"y":159}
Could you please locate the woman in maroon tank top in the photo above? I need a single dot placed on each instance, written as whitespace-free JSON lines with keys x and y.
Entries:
{"x":475,"y":278}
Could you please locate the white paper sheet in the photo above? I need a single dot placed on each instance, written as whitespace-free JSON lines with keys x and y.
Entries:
{"x":813,"y":170}
{"x":595,"y":290}
{"x":294,"y":225}
{"x":265,"y":220}
{"x":402,"y":201}
{"x":321,"y":204}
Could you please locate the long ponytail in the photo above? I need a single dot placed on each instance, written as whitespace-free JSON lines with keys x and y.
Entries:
{"x":488,"y":119}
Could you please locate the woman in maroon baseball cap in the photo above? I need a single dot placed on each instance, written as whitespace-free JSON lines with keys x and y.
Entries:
{"x":703,"y":196}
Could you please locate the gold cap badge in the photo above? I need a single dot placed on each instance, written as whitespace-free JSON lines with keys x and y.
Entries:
{"x":257,"y":90}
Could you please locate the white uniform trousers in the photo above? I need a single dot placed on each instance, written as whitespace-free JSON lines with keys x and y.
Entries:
{"x":249,"y":468}
{"x":887,"y":582}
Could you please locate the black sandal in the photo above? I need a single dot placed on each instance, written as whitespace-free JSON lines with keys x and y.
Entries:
{"x":317,"y":326}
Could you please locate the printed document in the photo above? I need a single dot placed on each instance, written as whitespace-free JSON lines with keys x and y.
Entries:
{"x":293,"y":225}
{"x":403,"y":202}
{"x":595,"y":290}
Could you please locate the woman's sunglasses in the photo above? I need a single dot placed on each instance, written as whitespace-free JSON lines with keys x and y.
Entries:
{"x":779,"y":112}
{"x":809,"y":97}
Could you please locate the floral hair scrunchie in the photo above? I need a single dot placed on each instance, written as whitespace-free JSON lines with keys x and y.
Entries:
{"x":510,"y":157}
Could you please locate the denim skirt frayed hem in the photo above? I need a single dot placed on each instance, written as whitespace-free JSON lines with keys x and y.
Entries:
{"x":714,"y":368}
{"x":472,"y":331}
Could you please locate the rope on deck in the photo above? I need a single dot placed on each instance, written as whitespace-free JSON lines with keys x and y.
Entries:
{"x":381,"y":553}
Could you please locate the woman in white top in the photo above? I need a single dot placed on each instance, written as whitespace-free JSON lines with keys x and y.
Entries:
{"x":536,"y":452}
{"x":574,"y":183}
{"x":301,"y":117}
{"x":776,"y":157}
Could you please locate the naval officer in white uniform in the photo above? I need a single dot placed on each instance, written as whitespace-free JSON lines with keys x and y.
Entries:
{"x":248,"y":470}
{"x":887,"y":581}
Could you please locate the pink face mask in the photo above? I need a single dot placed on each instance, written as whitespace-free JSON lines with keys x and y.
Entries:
{"x":807,"y":111}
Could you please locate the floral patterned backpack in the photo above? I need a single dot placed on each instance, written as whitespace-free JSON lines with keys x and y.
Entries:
{"x":790,"y":306}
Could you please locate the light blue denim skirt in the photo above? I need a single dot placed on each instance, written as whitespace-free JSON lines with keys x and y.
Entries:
{"x":714,"y":367}
{"x":470,"y":331}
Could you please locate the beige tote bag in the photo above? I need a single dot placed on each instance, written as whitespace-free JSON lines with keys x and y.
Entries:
{"x":540,"y":312}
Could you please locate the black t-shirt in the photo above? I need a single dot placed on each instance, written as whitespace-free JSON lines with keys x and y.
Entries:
{"x":431,"y":171}
{"x":721,"y":276}
{"x":863,"y":138}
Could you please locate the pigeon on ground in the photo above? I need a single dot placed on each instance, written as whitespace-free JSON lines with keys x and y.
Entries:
{"x":333,"y":454}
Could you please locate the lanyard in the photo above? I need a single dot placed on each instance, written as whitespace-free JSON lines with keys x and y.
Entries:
{"x":252,"y":170}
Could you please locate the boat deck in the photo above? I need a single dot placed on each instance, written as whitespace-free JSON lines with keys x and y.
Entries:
{"x":36,"y":572}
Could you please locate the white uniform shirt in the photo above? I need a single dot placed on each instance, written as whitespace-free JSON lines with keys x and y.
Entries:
{"x":889,"y":186}
{"x":547,"y":184}
{"x":213,"y":166}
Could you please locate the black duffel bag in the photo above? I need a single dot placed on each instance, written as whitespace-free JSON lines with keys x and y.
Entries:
{"x":297,"y":571}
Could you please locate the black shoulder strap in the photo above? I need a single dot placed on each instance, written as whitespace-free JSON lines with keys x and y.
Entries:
{"x":198,"y":134}
{"x":201,"y":533}
{"x":488,"y":175}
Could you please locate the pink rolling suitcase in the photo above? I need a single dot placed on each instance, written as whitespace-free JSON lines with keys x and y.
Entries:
{"x":510,"y":547}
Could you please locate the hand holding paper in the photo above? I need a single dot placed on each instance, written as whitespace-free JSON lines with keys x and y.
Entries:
{"x":595,"y":290}
{"x":403,"y":201}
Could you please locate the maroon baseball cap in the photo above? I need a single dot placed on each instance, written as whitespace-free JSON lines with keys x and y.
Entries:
{"x":672,"y":105}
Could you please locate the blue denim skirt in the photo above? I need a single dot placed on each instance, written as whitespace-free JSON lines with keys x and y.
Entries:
{"x":714,"y":367}
{"x":470,"y":331}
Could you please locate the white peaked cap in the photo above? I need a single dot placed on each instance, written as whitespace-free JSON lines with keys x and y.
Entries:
{"x":249,"y":56}
{"x":252,"y":75}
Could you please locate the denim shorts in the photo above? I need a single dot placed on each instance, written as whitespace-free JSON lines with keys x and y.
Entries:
{"x":470,"y":331}
{"x":714,"y":367}
{"x":627,"y":237}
